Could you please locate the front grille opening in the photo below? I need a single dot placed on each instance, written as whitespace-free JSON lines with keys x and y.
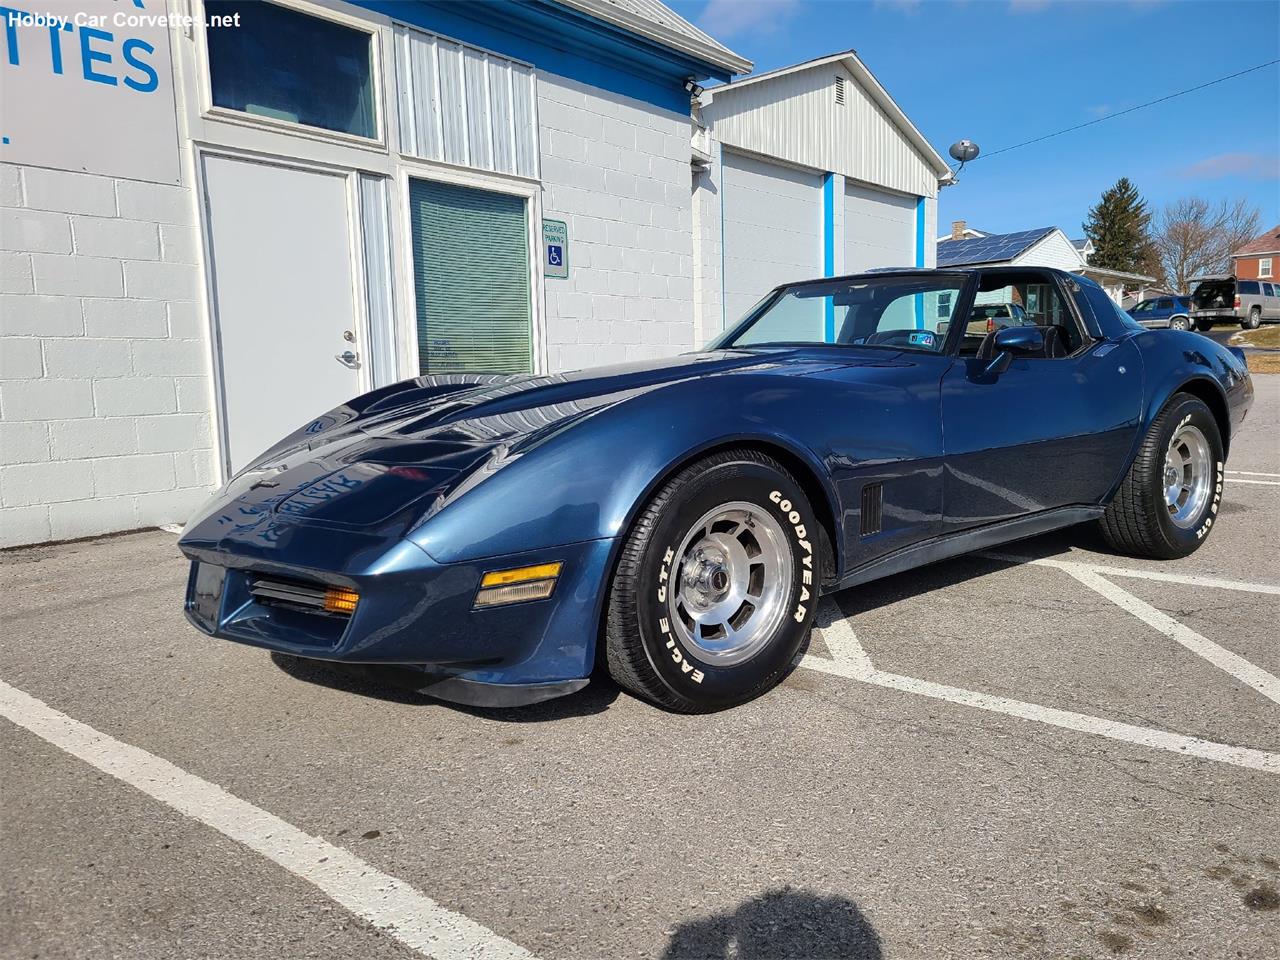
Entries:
{"x":306,"y":597}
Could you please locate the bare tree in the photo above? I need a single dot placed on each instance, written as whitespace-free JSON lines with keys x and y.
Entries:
{"x":1195,"y":237}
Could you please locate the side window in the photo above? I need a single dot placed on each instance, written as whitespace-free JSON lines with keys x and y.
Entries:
{"x":1249,"y":288}
{"x":1144,"y":307}
{"x":1264,"y":266}
{"x":1016,"y":299}
{"x":1270,"y":290}
{"x":1165,"y":304}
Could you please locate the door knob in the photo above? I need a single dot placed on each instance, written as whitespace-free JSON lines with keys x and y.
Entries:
{"x":347,"y":357}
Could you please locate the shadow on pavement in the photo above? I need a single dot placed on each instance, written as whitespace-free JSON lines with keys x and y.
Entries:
{"x":383,"y":685}
{"x":780,"y":925}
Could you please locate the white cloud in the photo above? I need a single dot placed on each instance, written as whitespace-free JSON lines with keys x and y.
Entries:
{"x":1250,"y":166}
{"x":732,"y":18}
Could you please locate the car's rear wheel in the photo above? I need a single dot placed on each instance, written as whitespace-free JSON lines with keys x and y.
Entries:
{"x":1178,"y":323}
{"x":716,"y":586}
{"x":1253,"y":321}
{"x":1203,"y":324}
{"x":1169,"y":500}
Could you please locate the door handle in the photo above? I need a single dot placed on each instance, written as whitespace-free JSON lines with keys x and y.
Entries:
{"x":348,"y":358}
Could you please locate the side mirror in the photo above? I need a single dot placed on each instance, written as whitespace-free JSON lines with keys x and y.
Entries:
{"x":1013,"y":342}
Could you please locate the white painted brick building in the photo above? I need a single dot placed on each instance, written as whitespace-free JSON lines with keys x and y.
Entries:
{"x":196,"y":259}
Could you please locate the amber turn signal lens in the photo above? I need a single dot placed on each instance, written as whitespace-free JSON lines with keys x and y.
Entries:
{"x":340,"y":600}
{"x":502,"y":578}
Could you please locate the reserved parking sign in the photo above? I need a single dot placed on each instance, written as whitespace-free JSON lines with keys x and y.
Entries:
{"x":555,"y":249}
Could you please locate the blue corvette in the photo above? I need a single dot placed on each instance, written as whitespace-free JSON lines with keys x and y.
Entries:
{"x":496,"y":539}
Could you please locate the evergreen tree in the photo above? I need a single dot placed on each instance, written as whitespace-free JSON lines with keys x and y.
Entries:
{"x":1119,"y":226}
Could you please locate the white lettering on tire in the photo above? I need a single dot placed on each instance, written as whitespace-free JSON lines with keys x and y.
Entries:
{"x":806,"y":561}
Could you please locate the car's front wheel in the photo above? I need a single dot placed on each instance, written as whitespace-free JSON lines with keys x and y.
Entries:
{"x":1253,"y":321}
{"x":716,"y":585}
{"x":1179,"y":323}
{"x":1169,"y":500}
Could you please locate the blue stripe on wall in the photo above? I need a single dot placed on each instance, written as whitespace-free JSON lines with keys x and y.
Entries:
{"x":828,"y":253}
{"x":920,"y":259}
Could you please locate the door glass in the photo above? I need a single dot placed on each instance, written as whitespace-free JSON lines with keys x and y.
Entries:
{"x":1016,"y":299}
{"x":471,"y":279}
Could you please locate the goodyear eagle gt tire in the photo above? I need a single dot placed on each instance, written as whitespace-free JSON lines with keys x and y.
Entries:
{"x":1169,"y":500}
{"x":716,"y":585}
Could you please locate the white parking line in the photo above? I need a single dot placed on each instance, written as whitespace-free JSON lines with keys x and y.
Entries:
{"x":385,"y":901}
{"x":1234,"y":664}
{"x":839,"y":635}
{"x":1190,"y":580}
{"x":1251,"y":473}
{"x":1261,"y":483}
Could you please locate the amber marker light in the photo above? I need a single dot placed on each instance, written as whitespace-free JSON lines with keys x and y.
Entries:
{"x":516,"y":586}
{"x":340,"y":600}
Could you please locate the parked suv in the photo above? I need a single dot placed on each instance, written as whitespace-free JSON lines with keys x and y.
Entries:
{"x":1172,"y":312}
{"x":1226,"y":299}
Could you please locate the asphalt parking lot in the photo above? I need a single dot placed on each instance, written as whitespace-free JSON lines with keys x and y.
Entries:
{"x":1056,"y":753}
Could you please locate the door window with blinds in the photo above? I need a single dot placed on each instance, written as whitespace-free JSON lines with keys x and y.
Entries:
{"x":471,"y":279}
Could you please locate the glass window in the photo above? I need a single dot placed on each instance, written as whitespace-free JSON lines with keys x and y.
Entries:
{"x":1144,"y":307}
{"x":1165,"y":305}
{"x":1249,"y":287}
{"x":1264,"y":266}
{"x":1269,"y":290}
{"x":1017,"y":299}
{"x":471,"y":279}
{"x":898,"y":313}
{"x":287,"y":65}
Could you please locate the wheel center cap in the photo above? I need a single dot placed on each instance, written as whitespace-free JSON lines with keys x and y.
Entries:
{"x":1170,"y":475}
{"x":708,"y":577}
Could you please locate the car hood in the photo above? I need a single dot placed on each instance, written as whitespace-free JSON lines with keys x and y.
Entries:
{"x":388,"y":460}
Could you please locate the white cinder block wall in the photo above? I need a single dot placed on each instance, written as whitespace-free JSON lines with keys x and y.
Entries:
{"x":104,"y":390}
{"x":617,"y":172}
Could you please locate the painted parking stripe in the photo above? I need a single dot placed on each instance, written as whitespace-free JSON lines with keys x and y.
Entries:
{"x":386,"y":902}
{"x":839,"y":635}
{"x":1260,"y":483}
{"x":1251,"y":473}
{"x":1237,"y":666}
{"x":1190,"y":580}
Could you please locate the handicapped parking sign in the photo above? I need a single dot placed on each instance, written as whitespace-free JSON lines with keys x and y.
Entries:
{"x":555,"y":249}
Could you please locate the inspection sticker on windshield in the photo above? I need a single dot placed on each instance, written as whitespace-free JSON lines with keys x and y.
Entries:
{"x":921,"y":339}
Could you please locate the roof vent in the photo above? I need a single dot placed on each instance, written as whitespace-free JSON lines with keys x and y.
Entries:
{"x":840,"y":90}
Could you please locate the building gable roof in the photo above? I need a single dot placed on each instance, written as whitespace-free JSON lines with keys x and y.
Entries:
{"x":657,"y":22}
{"x":1269,"y":242}
{"x":851,"y":62}
{"x":993,"y":248}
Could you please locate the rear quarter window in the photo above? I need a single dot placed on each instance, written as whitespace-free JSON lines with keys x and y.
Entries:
{"x":1249,"y":286}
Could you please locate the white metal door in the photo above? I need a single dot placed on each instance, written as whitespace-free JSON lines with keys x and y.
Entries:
{"x":772,"y":229}
{"x":879,"y":229}
{"x":289,"y":337}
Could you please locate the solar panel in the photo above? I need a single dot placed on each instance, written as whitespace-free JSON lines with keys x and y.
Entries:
{"x":990,"y":249}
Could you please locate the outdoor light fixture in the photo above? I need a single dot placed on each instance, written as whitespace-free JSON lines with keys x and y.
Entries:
{"x":695,"y":91}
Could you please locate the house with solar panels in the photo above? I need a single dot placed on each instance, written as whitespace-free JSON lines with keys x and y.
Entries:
{"x":1041,"y":247}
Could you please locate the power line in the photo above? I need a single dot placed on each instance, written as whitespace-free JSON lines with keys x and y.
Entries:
{"x":1112,"y":116}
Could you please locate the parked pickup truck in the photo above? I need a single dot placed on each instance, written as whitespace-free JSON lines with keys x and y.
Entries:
{"x":1224,"y":299}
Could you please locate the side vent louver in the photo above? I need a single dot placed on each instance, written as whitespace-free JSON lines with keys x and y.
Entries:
{"x":872,"y":506}
{"x":840,"y":90}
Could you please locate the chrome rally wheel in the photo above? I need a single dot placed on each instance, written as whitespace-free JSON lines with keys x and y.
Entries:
{"x":1188,"y":475}
{"x":1168,"y":502}
{"x":732,"y":574}
{"x":716,"y":584}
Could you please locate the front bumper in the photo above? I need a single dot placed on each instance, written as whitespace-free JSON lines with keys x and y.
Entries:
{"x":412,"y":612}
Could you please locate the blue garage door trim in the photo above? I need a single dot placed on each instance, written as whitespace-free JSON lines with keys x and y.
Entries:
{"x":829,"y":252}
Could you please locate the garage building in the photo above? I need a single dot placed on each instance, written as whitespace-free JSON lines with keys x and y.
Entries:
{"x":242,"y":219}
{"x":808,"y":171}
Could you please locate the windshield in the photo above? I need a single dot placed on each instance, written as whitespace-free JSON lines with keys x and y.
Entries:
{"x":899,"y":313}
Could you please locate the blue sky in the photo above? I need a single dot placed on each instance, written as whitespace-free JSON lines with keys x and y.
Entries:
{"x":1002,"y":71}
